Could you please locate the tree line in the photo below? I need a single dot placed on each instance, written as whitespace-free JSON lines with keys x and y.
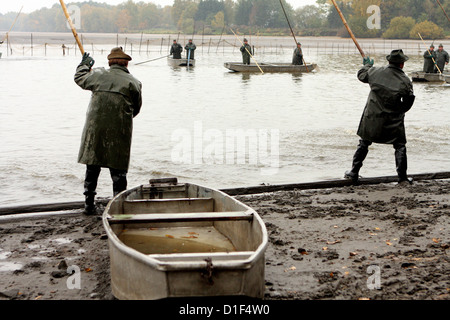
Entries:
{"x":399,"y":18}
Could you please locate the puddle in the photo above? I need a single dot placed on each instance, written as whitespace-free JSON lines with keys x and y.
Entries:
{"x":10,"y":266}
{"x":4,"y":255}
{"x":62,"y":240}
{"x":6,"y":265}
{"x":176,"y":240}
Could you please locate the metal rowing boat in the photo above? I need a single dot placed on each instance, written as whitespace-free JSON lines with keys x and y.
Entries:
{"x":420,"y":76}
{"x":180,"y":62}
{"x":269,"y":67}
{"x":170,"y":239}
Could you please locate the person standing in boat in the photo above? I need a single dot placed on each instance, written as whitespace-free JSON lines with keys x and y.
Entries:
{"x":297,"y":58}
{"x":391,"y":96}
{"x":190,"y":48}
{"x":246,"y":50}
{"x":429,"y":56}
{"x":442,"y":58}
{"x":106,"y":140}
{"x":175,"y":50}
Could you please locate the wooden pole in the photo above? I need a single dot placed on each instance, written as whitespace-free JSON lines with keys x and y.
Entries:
{"x":443,"y":10}
{"x":151,"y":60}
{"x":348,"y":29}
{"x":292,"y":32}
{"x":69,"y":20}
{"x":220,"y":39}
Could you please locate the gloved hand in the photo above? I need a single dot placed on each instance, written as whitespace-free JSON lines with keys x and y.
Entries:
{"x":367,"y":61}
{"x":87,"y":60}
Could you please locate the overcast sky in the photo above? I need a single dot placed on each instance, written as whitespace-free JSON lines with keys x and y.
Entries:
{"x":31,"y":5}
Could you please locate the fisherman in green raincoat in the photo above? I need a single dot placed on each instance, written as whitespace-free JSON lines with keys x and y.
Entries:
{"x":106,"y":139}
{"x":190,"y":48}
{"x":175,"y":50}
{"x":246,"y":50}
{"x":428,"y":57}
{"x":297,"y":58}
{"x":442,"y":58}
{"x":391,"y":96}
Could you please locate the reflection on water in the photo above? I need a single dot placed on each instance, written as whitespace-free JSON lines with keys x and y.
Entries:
{"x":316,"y":114}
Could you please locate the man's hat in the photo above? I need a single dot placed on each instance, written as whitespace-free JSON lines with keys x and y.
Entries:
{"x":441,"y":45}
{"x":245,"y":40}
{"x":397,"y":56}
{"x":117,"y":53}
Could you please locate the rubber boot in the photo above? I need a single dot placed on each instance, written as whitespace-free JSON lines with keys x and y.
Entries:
{"x":90,"y":185}
{"x":358,"y":159}
{"x":401,"y":162}
{"x":119,"y":179}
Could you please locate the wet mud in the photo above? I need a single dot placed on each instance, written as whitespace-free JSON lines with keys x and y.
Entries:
{"x":382,"y":242}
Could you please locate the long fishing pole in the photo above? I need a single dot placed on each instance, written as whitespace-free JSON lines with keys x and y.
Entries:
{"x":292,"y":31}
{"x":439,"y":3}
{"x":248,"y":51}
{"x":348,"y":29}
{"x":69,"y":20}
{"x":428,"y":50}
{"x":14,"y":22}
{"x":151,"y":60}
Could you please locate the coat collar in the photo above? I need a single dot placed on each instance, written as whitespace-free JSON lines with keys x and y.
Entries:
{"x":396,"y":68}
{"x":116,"y":66}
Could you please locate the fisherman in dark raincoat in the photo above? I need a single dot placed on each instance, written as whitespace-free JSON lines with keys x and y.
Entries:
{"x":391,"y":96}
{"x":175,"y":50}
{"x":106,"y":140}
{"x":190,"y":48}
{"x":297,"y":58}
{"x":246,"y":50}
{"x":442,"y":58}
{"x":428,"y":63}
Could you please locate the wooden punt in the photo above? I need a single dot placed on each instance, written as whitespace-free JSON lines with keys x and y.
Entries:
{"x":270,"y":67}
{"x":183,"y":62}
{"x":420,"y":76}
{"x":169,"y":239}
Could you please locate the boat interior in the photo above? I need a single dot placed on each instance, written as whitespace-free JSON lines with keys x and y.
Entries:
{"x":170,"y":218}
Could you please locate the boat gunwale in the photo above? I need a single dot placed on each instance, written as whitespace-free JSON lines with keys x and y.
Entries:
{"x":187,"y":265}
{"x":182,"y":62}
{"x":283,"y":67}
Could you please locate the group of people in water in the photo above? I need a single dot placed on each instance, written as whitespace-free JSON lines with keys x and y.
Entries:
{"x":117,"y":99}
{"x":246,"y":50}
{"x":435,"y":61}
{"x":176,"y":49}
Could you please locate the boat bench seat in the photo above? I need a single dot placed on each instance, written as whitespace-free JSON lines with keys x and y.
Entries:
{"x":168,"y":205}
{"x":184,"y":216}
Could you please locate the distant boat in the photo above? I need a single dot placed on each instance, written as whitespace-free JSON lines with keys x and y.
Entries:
{"x":270,"y":67}
{"x":420,"y":76}
{"x":169,"y":239}
{"x":183,"y":62}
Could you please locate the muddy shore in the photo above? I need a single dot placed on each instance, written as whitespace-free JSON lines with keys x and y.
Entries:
{"x":382,"y":242}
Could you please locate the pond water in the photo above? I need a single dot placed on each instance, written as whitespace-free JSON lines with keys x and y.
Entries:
{"x":207,"y":125}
